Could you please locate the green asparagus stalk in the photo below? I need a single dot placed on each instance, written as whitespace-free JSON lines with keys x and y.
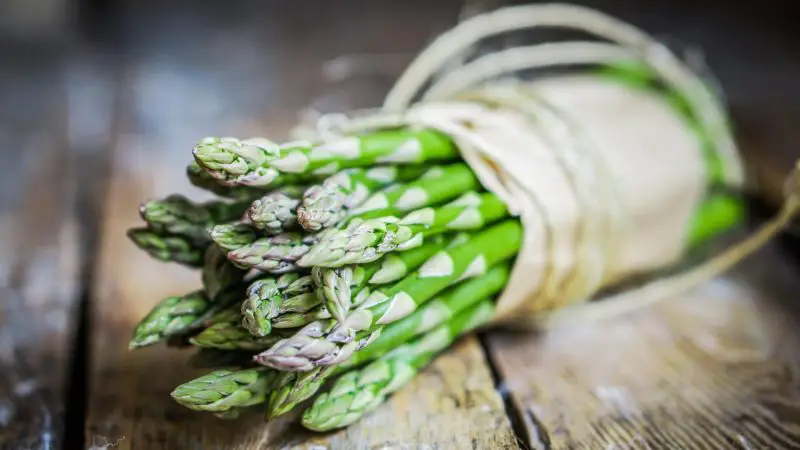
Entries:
{"x":292,"y":388}
{"x":218,"y":274}
{"x":198,"y":177}
{"x":227,"y":333}
{"x":269,"y":298}
{"x":231,"y":236}
{"x":326,"y":204}
{"x":223,"y":390}
{"x":232,"y":336}
{"x":172,"y":316}
{"x":277,"y":254}
{"x":437,"y":185}
{"x":337,"y":286}
{"x":168,"y":247}
{"x":178,"y":215}
{"x":331,"y":346}
{"x":274,"y":213}
{"x":259,"y":162}
{"x":367,"y":240}
{"x":177,"y":317}
{"x":359,"y":392}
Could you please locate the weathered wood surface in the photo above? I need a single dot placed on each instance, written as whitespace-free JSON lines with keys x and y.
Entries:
{"x":39,"y":239}
{"x":713,"y":368}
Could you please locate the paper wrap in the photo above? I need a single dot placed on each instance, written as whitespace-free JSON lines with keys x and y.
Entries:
{"x":609,"y":195}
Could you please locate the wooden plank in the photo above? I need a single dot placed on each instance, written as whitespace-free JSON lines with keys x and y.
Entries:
{"x":180,"y":86}
{"x":39,"y":255}
{"x":714,"y":368}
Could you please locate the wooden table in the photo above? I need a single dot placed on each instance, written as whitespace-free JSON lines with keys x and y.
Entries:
{"x":95,"y":126}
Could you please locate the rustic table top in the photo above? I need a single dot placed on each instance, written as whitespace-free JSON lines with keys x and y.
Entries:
{"x":96,"y":125}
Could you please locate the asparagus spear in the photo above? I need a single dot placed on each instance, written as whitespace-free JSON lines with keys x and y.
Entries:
{"x":292,"y":388}
{"x":227,"y":333}
{"x":230,"y":236}
{"x":367,"y":240}
{"x":334,"y":345}
{"x":325,"y":204}
{"x":274,"y":213}
{"x":232,"y":336}
{"x":437,"y":185}
{"x":198,"y":177}
{"x":178,"y":215}
{"x":218,"y":274}
{"x":168,"y":247}
{"x":336,"y":286}
{"x":277,"y":254}
{"x":223,"y":390}
{"x":358,"y":392}
{"x":173,"y":315}
{"x":176,"y":317}
{"x":269,"y":298}
{"x":259,"y":162}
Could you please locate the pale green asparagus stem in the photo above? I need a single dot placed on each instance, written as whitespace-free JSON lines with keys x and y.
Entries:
{"x":337,"y":287}
{"x":292,"y":388}
{"x":364,"y":241}
{"x":223,"y":390}
{"x":358,"y":392}
{"x":274,"y":213}
{"x":227,"y":333}
{"x":178,"y":215}
{"x":439,"y":184}
{"x":168,"y":247}
{"x":203,"y":180}
{"x":177,"y":317}
{"x":218,"y":273}
{"x":326,"y":204}
{"x":230,"y":236}
{"x":362,"y":326}
{"x":268,"y":299}
{"x":259,"y":162}
{"x":172,"y":316}
{"x":277,"y":254}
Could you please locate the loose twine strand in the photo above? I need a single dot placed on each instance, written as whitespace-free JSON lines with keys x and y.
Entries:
{"x":464,"y":82}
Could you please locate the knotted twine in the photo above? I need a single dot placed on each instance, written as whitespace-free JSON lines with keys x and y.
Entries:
{"x":604,"y":177}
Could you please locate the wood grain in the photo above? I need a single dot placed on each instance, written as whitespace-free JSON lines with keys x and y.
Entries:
{"x":718,"y":367}
{"x":39,"y":258}
{"x":172,"y":97}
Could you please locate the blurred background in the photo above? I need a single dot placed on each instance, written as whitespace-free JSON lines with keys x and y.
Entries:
{"x":71,"y":70}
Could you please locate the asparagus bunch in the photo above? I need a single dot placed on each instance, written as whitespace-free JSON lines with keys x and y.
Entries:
{"x":360,"y":258}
